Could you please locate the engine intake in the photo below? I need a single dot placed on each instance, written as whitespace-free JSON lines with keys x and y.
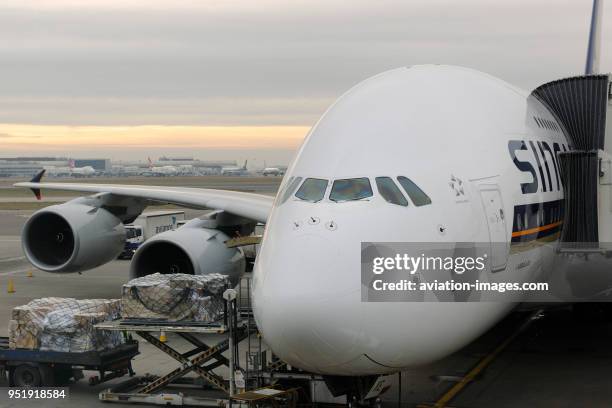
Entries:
{"x":72,"y":237}
{"x":164,"y":257}
{"x":190,"y":249}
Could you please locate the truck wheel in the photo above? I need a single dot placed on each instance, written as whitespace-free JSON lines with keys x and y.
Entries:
{"x":47,"y":376}
{"x":27,"y":376}
{"x":3,"y":373}
{"x":62,"y":375}
{"x":11,"y":377}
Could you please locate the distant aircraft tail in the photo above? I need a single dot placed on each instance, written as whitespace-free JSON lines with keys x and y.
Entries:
{"x":150,"y":162}
{"x":71,"y":163}
{"x":245,"y":163}
{"x":592,"y":58}
{"x":36,"y":179}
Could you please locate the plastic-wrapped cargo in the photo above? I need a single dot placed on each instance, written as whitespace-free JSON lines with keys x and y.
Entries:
{"x":64,"y":324}
{"x":175,"y":297}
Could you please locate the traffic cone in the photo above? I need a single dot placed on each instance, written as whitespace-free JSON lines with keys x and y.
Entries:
{"x":30,"y":274}
{"x":162,"y":337}
{"x":10,"y":287}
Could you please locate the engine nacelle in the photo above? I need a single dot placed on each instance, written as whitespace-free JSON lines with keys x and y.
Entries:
{"x":72,"y":237}
{"x":190,"y":249}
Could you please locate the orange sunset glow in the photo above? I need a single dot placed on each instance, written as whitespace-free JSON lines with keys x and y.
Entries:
{"x":19,"y":138}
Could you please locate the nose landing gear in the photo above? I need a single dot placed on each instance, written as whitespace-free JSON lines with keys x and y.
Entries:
{"x":360,"y":391}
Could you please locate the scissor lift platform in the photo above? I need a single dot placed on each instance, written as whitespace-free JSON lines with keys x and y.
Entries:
{"x":201,"y":358}
{"x":155,"y":325}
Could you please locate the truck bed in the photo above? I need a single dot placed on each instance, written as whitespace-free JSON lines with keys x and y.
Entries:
{"x":89,"y":359}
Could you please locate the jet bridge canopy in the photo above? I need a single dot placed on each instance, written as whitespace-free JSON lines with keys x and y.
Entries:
{"x":582,"y":105}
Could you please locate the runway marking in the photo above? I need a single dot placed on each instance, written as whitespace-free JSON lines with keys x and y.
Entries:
{"x":16,"y":258}
{"x":14,"y":272}
{"x":469,"y":377}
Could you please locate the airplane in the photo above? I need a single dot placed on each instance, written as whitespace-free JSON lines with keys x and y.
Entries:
{"x":85,"y":171}
{"x":71,"y":170}
{"x":235,"y":170}
{"x":271,"y":171}
{"x":160,"y":171}
{"x":425,"y":153}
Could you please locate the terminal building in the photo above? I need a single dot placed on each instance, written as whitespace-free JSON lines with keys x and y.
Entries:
{"x":19,"y":168}
{"x":27,"y":167}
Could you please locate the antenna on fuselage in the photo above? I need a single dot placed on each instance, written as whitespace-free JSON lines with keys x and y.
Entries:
{"x":592,"y":58}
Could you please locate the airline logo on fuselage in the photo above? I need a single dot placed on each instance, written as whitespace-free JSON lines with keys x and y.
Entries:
{"x":543,"y":157}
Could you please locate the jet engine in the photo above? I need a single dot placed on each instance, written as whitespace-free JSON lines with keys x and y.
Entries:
{"x":191,"y":249}
{"x":72,"y":237}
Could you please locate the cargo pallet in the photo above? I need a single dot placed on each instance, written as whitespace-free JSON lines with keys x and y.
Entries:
{"x":35,"y":368}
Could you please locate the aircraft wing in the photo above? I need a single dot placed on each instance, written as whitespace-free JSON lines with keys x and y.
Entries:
{"x":249,"y":205}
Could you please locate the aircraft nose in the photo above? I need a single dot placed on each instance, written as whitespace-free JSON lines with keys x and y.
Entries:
{"x":305,"y":305}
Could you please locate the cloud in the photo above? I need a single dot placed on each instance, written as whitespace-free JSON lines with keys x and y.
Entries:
{"x":255,"y":63}
{"x":132,"y":111}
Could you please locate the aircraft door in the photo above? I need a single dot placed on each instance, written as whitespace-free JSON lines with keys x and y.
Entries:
{"x":496,"y":221}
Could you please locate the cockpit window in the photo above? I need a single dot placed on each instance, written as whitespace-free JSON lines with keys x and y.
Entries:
{"x":351,"y":189}
{"x":312,"y":190}
{"x":292,"y":184}
{"x":417,"y":195}
{"x":390,"y":192}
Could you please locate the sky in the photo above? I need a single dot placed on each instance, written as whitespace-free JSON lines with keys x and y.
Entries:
{"x":238,"y":79}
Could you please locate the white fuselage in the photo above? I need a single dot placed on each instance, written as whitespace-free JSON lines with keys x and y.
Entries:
{"x":163,"y":171}
{"x":271,"y":171}
{"x":428,"y":123}
{"x":85,"y":171}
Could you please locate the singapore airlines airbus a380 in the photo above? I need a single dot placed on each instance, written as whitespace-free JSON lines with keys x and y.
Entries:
{"x":427,"y":153}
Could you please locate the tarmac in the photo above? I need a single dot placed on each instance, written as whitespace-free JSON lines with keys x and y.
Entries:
{"x":563,"y":359}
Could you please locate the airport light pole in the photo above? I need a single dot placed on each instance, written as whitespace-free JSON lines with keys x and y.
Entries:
{"x":230,"y":297}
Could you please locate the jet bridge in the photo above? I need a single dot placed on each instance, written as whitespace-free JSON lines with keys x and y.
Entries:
{"x":583,"y":106}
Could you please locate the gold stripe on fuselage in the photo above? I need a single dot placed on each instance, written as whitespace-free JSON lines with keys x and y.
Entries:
{"x":536,"y":229}
{"x":517,"y":247}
